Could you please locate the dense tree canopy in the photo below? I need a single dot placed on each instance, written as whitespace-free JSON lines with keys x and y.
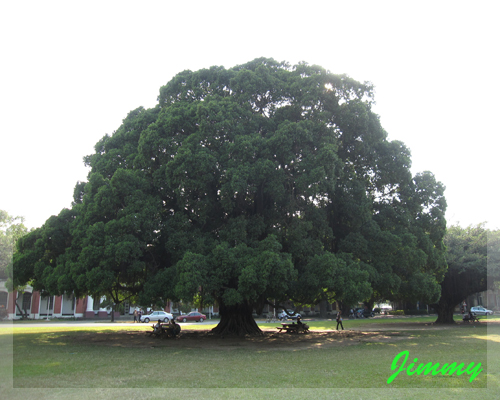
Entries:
{"x":263,"y":181}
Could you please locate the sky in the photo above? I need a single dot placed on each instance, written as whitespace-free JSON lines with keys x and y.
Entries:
{"x":71,"y":71}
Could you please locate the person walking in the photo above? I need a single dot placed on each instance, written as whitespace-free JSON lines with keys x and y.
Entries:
{"x":339,"y":320}
{"x":135,"y":315}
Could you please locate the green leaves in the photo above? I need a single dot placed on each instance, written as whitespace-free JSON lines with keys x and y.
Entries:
{"x":11,"y":229}
{"x":471,"y":253}
{"x":237,"y":273}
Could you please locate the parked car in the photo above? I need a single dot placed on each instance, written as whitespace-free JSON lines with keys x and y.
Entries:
{"x":283,"y":316}
{"x":157,"y":315}
{"x":364,"y":312}
{"x":192,"y":316}
{"x":481,"y":311}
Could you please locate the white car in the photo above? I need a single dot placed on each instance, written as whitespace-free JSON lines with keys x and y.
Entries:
{"x":283,"y":316}
{"x":157,"y":315}
{"x":481,"y":311}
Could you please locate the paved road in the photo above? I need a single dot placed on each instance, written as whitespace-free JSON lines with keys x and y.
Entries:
{"x":40,"y":323}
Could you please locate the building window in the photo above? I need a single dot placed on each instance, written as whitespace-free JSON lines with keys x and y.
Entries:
{"x":97,"y":304}
{"x":26,"y":301}
{"x":3,"y":299}
{"x":50,"y":301}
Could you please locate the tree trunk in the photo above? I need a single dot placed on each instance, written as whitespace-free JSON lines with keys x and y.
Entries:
{"x":369,"y":304}
{"x":445,"y":313}
{"x":24,"y":313}
{"x":236,"y":320}
{"x":113,"y":312}
{"x":322,"y":309}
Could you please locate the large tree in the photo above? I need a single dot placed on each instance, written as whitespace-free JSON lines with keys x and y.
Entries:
{"x":468,"y":256}
{"x":263,"y":181}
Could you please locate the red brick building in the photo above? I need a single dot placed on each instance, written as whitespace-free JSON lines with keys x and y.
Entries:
{"x":15,"y":304}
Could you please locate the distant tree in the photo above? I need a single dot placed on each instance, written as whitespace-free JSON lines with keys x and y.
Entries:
{"x":263,"y":181}
{"x":11,"y":229}
{"x":467,"y":258}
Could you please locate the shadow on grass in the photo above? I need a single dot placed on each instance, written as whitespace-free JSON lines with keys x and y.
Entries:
{"x":354,"y":358}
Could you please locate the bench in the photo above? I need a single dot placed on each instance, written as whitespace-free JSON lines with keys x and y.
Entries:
{"x":293,"y":328}
{"x":468,"y":318}
{"x":165,"y":330}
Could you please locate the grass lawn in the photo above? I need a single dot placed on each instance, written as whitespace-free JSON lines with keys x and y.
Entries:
{"x":360,"y":357}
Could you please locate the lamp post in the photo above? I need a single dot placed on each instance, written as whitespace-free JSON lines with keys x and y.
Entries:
{"x":48,"y":302}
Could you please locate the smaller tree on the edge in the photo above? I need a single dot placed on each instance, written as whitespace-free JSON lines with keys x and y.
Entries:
{"x":467,"y":257}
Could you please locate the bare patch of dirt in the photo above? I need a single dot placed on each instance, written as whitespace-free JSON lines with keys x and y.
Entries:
{"x":269,"y":341}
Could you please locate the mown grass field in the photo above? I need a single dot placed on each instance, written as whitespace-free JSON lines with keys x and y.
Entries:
{"x":123,"y":357}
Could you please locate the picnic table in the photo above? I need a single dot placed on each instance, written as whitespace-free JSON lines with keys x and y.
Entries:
{"x":165,"y":330}
{"x":293,"y":328}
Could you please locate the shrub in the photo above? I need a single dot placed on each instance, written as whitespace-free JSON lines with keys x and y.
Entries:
{"x":416,"y":312}
{"x":397,"y":312}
